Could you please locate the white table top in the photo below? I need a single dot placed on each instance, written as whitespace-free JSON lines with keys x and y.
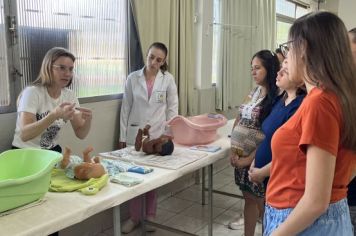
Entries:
{"x":61,"y":210}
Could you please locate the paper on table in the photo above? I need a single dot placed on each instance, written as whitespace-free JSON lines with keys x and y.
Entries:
{"x":179,"y":158}
{"x":206,"y":148}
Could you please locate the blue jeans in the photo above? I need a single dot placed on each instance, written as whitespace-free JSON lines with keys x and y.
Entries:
{"x":335,"y":221}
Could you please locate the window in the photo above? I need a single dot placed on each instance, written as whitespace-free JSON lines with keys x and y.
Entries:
{"x":282,"y":31}
{"x":95,"y":31}
{"x":287,"y":11}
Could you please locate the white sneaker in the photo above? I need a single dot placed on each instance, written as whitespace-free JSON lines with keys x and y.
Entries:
{"x":150,"y":228}
{"x":128,"y":226}
{"x":238,"y":224}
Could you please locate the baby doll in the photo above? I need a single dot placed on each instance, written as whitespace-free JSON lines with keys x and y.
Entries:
{"x":162,"y":145}
{"x":82,"y":169}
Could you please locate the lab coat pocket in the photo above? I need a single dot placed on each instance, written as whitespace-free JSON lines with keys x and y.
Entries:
{"x":131,"y":134}
{"x":160,"y":96}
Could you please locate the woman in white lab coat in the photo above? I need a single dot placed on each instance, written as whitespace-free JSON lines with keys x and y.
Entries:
{"x":150,"y":98}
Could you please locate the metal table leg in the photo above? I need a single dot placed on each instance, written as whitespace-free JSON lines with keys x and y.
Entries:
{"x":203,"y":186}
{"x":117,"y":223}
{"x":210,"y":204}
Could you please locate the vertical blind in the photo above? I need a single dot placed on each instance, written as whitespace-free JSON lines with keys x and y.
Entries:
{"x":93,"y":30}
{"x":4,"y":82}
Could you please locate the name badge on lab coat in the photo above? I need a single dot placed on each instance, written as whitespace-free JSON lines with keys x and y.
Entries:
{"x":160,"y":96}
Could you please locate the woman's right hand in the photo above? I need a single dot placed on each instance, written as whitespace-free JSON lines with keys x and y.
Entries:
{"x":121,"y":145}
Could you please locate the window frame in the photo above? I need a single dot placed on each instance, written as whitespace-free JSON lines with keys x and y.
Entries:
{"x":287,"y":19}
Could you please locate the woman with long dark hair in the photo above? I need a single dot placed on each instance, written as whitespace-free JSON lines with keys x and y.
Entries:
{"x":247,"y":134}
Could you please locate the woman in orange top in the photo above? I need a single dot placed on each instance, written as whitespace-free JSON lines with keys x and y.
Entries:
{"x":313,"y":153}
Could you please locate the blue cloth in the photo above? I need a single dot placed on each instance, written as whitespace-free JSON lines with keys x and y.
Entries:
{"x":278,"y":116}
{"x":140,"y":169}
{"x":335,"y":221}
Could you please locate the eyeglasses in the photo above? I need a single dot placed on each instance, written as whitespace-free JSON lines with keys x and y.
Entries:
{"x":64,"y":69}
{"x":284,"y":47}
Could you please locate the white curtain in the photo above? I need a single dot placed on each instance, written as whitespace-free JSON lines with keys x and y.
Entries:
{"x":243,"y":28}
{"x":170,"y":22}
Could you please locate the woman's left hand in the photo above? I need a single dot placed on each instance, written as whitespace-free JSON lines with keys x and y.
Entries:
{"x":255,"y":175}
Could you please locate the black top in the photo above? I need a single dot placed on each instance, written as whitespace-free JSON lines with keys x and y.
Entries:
{"x":351,"y":194}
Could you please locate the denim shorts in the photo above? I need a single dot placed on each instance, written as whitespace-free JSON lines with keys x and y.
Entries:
{"x":335,"y":221}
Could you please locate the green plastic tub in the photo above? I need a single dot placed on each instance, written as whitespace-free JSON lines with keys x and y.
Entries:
{"x":25,"y":176}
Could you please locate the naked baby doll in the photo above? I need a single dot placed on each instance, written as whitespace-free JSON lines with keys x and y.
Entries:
{"x":82,"y":169}
{"x":162,"y":145}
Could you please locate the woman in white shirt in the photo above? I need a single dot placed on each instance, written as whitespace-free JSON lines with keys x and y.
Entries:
{"x":150,"y":99}
{"x":48,"y":104}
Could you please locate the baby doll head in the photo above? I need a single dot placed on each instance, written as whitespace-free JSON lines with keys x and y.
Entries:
{"x":165,"y":147}
{"x":85,"y":171}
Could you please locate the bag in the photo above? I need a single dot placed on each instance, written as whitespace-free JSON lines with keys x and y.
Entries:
{"x":244,"y":140}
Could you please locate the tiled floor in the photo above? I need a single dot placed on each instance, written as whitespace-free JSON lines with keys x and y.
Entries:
{"x":185,"y":212}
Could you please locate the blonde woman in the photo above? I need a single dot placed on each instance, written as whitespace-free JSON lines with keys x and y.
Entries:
{"x":48,"y":104}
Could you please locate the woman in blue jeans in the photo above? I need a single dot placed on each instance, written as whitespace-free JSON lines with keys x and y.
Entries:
{"x":314,"y":152}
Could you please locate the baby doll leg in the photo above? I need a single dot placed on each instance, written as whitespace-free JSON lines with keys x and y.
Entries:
{"x":138,"y":141}
{"x":66,"y":157}
{"x":86,"y":156}
{"x":146,"y":130}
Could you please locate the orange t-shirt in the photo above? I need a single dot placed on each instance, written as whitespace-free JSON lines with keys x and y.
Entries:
{"x":318,"y":121}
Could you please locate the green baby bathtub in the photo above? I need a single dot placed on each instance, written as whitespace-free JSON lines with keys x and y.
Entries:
{"x":25,"y":176}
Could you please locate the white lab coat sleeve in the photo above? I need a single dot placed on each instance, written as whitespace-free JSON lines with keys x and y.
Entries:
{"x":172,"y":99}
{"x":126,"y":106}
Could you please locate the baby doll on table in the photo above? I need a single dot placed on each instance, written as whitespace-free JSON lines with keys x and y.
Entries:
{"x":82,"y":169}
{"x":162,"y":145}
